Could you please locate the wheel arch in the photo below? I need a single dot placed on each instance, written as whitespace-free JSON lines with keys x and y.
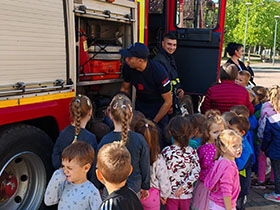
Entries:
{"x":47,"y":124}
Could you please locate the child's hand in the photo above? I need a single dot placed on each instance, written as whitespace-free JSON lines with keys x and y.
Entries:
{"x":179,"y":192}
{"x":163,"y":200}
{"x":144,"y":194}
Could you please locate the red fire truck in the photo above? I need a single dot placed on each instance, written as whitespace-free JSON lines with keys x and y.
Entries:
{"x":51,"y":50}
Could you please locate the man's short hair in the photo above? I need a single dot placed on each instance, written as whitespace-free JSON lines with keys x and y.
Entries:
{"x":228,"y":72}
{"x":169,"y":36}
{"x":81,"y":151}
{"x":245,"y":73}
{"x":114,"y":162}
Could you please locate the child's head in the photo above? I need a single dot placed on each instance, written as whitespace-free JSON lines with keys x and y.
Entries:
{"x":113,"y":163}
{"x":240,"y":125}
{"x":99,"y":129}
{"x":274,"y":98}
{"x":180,"y":128}
{"x":261,"y":94}
{"x":228,"y":144}
{"x":197,"y":120}
{"x":227,"y":116}
{"x":243,"y":78}
{"x":212,"y":127}
{"x":137,"y":116}
{"x":80,"y":108}
{"x":228,"y":72}
{"x":121,"y":113}
{"x":212,"y":113}
{"x":150,"y":132}
{"x":76,"y":161}
{"x":240,"y":110}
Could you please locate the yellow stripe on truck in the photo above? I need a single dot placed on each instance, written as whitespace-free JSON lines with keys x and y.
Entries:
{"x":141,"y":20}
{"x":36,"y":99}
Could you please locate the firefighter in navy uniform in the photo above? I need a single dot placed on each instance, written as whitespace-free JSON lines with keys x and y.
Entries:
{"x":166,"y":59}
{"x":153,"y":91}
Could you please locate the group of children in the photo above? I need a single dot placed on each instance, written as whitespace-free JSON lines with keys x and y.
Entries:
{"x":207,"y":166}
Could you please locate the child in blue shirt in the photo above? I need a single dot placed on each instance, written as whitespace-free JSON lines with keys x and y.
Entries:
{"x":241,"y":125}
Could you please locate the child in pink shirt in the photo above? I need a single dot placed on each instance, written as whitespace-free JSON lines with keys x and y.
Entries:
{"x":223,"y":179}
{"x":213,"y":126}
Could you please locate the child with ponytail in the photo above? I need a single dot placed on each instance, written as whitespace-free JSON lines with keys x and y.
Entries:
{"x":223,"y":180}
{"x":182,"y":164}
{"x":160,"y":184}
{"x":121,"y":115}
{"x":81,"y":113}
{"x":212,"y":127}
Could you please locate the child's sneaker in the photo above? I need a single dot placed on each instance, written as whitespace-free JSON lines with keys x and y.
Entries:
{"x":270,"y":184}
{"x":259,"y":185}
{"x":272,"y":197}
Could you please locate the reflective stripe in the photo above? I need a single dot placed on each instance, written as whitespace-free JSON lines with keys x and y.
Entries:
{"x":36,"y":99}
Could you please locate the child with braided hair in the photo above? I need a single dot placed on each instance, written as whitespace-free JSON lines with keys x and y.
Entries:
{"x":121,"y":115}
{"x":81,"y":112}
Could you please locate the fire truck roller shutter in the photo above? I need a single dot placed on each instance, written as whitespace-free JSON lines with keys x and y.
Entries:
{"x":25,"y":166}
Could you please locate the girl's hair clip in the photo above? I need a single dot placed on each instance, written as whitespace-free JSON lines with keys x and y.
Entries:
{"x":123,"y":106}
{"x":146,"y":125}
{"x":115,"y":105}
{"x":77,"y":100}
{"x":210,"y":116}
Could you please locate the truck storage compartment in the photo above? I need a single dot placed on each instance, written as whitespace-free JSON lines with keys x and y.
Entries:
{"x":102,"y":69}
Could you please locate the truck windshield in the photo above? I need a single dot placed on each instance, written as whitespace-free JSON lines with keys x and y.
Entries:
{"x":202,"y":14}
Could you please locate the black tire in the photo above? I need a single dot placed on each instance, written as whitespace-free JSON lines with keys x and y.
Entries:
{"x":25,"y":152}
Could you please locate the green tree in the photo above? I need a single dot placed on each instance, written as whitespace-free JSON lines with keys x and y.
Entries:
{"x":261,"y":23}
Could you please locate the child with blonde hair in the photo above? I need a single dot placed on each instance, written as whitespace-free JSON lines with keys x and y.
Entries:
{"x":182,"y":164}
{"x":69,"y":187}
{"x":81,"y":113}
{"x":113,"y":170}
{"x":223,"y":180}
{"x":271,"y":144}
{"x":212,"y":127}
{"x":268,"y":109}
{"x":243,"y":78}
{"x":160,"y":184}
{"x":121,"y":115}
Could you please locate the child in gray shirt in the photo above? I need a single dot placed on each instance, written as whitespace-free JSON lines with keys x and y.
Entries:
{"x":69,"y":186}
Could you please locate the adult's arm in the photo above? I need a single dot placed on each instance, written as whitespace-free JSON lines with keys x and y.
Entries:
{"x":167,"y":97}
{"x":125,"y":87}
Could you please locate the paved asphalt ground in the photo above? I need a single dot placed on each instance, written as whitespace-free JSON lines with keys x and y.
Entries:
{"x":266,"y":74}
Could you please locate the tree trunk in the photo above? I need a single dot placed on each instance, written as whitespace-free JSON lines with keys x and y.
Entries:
{"x":249,"y":53}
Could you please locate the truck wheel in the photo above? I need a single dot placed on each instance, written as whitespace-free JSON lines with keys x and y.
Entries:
{"x":25,"y":167}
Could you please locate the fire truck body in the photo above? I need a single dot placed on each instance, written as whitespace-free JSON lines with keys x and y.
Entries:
{"x":52,"y":50}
